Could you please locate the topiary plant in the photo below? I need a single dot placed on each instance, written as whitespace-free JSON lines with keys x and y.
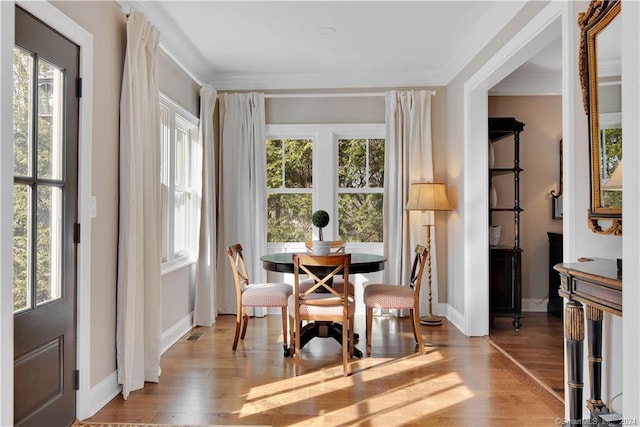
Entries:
{"x":320,"y":219}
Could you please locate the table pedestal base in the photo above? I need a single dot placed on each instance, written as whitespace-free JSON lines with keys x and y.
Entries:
{"x":323,"y":329}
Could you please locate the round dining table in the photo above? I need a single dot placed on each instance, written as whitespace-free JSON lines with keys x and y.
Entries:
{"x":282,"y":262}
{"x":361,"y":263}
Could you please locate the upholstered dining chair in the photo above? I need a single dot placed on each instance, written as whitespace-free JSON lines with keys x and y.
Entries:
{"x":255,"y":295}
{"x":397,"y":296}
{"x":321,"y":302}
{"x":335,"y":246}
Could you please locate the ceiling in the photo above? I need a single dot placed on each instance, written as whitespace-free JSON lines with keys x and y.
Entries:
{"x":266,"y":45}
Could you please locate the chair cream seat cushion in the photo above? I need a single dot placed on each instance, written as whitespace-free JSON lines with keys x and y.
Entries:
{"x":266,"y":294}
{"x":388,"y":296}
{"x":317,"y":311}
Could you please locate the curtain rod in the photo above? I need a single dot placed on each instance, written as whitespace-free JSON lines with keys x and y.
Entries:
{"x":322,"y":95}
{"x":327,"y":95}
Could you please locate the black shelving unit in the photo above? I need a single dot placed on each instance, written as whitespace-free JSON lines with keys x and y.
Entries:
{"x":505,"y":262}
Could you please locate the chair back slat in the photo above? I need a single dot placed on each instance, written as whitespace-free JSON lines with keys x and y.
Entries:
{"x":330,"y":266}
{"x":238,"y":266}
{"x":417,"y":270}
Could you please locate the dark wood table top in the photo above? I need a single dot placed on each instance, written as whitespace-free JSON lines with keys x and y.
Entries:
{"x":600,"y":269}
{"x":282,"y":262}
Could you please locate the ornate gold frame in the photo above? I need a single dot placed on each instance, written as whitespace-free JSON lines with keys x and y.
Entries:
{"x":597,"y":16}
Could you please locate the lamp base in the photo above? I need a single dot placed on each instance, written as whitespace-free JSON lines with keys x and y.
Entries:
{"x":430,"y":320}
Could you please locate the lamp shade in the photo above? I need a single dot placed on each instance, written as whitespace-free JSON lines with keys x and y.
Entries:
{"x":614,"y":183}
{"x":428,"y":196}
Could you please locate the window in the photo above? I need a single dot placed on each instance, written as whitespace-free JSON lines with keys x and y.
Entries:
{"x":337,"y":168}
{"x":360,"y":189}
{"x":180,"y":167}
{"x":289,"y":183}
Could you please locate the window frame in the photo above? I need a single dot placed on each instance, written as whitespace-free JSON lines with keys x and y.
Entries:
{"x":325,"y":197}
{"x":178,"y":117}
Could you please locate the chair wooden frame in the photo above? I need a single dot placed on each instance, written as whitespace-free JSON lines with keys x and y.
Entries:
{"x":415,"y":282}
{"x":242,"y":285}
{"x":305,"y":264}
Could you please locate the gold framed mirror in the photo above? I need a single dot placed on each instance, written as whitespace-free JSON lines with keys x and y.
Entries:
{"x":600,"y":75}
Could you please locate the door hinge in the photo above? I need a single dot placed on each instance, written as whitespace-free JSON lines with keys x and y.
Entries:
{"x":79,"y":87}
{"x":76,"y":380}
{"x":76,"y":233}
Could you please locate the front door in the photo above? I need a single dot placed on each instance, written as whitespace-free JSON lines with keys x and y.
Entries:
{"x":45,"y":128}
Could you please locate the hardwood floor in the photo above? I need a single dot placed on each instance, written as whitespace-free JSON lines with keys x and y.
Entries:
{"x":538,"y":346}
{"x":460,"y":382}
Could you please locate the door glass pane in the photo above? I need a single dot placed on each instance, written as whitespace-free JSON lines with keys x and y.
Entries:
{"x":288,"y":217}
{"x":50,"y":132}
{"x":21,"y":248}
{"x":22,"y":101}
{"x":48,"y":244}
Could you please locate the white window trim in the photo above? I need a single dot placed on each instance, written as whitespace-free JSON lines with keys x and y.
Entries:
{"x":178,"y":260}
{"x":324,"y":197}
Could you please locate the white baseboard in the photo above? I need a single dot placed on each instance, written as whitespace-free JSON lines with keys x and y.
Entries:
{"x":453,"y":316}
{"x":534,"y":305}
{"x":174,"y":333}
{"x":109,"y":388}
{"x":102,"y":394}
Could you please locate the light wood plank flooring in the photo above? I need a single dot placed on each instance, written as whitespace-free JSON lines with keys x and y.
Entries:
{"x":460,"y":382}
{"x":538,"y":346}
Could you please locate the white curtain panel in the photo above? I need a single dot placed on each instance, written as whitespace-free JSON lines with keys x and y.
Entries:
{"x":242,"y":202}
{"x":408,"y":159}
{"x":138,"y":331}
{"x":205,"y":296}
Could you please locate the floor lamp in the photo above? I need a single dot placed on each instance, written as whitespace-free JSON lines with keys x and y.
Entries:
{"x":428,"y":196}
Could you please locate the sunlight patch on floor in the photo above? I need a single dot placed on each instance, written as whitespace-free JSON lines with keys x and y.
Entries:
{"x":382,"y":394}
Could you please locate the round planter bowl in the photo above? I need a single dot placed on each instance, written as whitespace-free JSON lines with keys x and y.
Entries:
{"x":321,"y":247}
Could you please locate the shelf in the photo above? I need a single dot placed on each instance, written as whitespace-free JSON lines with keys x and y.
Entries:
{"x":502,"y":127}
{"x":505,"y":261}
{"x":504,"y":171}
{"x":506,"y":209}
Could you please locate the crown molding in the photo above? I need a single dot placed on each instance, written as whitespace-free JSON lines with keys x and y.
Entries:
{"x":259,"y":81}
{"x":172,"y":39}
{"x":480,"y":36}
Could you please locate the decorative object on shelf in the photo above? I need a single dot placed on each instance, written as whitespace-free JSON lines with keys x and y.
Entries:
{"x":492,"y":156}
{"x":320,"y":219}
{"x":494,"y":234}
{"x":600,"y":42}
{"x":493,"y":197}
{"x":428,"y":196}
{"x":556,"y":196}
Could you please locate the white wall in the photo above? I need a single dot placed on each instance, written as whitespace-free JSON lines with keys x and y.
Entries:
{"x":470,"y":169}
{"x":631,"y":206}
